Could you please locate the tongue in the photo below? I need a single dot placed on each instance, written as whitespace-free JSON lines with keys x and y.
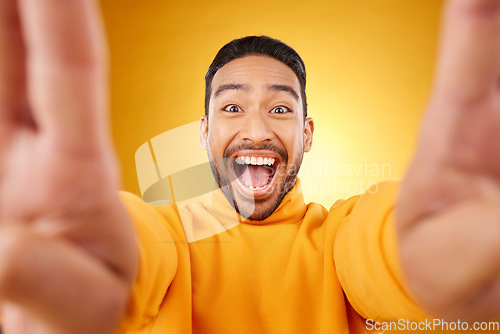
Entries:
{"x":256,"y":176}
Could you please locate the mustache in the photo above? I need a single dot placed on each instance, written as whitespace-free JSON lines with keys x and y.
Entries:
{"x":266,"y":146}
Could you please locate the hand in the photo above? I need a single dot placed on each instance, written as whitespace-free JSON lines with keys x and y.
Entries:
{"x":67,"y":249}
{"x":449,"y":207}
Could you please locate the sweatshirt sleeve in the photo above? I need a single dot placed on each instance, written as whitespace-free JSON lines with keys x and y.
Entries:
{"x":366,"y":255}
{"x":157,"y":263}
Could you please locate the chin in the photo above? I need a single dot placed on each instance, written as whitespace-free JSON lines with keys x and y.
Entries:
{"x":257,"y":209}
{"x":263,"y":207}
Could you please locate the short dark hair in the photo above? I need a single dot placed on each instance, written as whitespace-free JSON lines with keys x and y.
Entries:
{"x":257,"y":45}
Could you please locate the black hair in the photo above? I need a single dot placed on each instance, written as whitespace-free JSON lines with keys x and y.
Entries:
{"x":257,"y":45}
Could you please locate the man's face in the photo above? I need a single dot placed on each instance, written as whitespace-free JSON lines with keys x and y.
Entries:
{"x":255,"y":133}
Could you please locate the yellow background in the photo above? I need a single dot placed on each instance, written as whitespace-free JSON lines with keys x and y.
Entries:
{"x":369,"y":66}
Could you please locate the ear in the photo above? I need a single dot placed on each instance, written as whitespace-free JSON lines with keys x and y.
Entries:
{"x":203,"y":131}
{"x":308,"y":133}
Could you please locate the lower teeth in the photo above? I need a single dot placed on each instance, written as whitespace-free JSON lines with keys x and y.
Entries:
{"x":255,"y":188}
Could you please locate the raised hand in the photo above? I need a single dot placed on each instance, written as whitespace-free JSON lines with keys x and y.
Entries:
{"x":449,"y":206}
{"x":67,"y":251}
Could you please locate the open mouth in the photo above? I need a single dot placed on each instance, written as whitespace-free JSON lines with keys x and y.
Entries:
{"x":255,"y":172}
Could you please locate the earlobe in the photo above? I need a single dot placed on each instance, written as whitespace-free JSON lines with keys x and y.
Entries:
{"x":203,"y":131}
{"x":308,"y":133}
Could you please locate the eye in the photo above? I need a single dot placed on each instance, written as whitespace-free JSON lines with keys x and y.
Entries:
{"x":232,"y":108}
{"x":279,"y":110}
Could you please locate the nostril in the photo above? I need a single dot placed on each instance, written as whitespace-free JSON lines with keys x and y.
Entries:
{"x":256,"y":133}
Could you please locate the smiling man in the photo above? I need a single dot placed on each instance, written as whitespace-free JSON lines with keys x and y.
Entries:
{"x":77,"y":258}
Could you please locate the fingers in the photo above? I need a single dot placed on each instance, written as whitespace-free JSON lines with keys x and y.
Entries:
{"x":58,"y":285}
{"x":469,"y":62}
{"x":451,"y":261}
{"x":67,"y":68}
{"x":12,"y":74}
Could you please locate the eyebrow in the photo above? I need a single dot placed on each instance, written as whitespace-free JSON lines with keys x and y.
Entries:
{"x":238,"y":86}
{"x":284,"y":88}
{"x":230,"y":86}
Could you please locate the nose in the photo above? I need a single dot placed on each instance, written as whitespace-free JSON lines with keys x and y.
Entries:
{"x":256,"y":128}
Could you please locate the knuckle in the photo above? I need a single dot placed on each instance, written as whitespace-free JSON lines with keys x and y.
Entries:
{"x":12,"y":246}
{"x":484,"y":7}
{"x":477,"y":8}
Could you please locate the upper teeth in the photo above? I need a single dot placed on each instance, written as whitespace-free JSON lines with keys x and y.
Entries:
{"x":255,"y":160}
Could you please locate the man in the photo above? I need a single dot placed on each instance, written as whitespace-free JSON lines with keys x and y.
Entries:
{"x":255,"y":79}
{"x":69,"y":261}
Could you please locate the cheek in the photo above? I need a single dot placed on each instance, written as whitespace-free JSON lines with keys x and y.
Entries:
{"x":292,"y":138}
{"x":296,"y":151}
{"x":219,"y":138}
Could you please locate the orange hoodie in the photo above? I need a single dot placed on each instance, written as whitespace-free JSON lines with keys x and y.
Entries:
{"x":304,"y":269}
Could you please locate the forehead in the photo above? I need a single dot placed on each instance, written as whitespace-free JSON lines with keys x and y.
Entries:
{"x":255,"y":70}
